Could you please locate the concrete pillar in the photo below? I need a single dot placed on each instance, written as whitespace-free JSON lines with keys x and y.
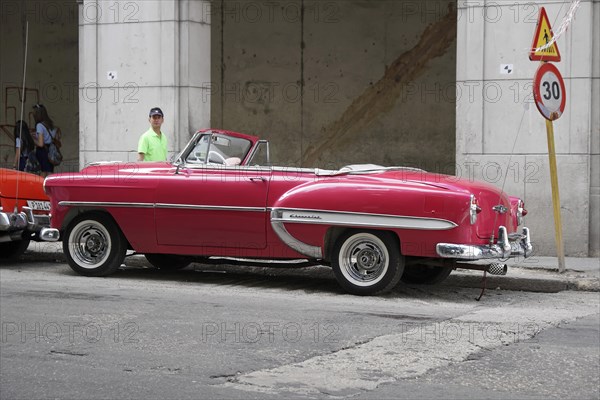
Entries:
{"x":138,"y":55}
{"x":501,"y":136}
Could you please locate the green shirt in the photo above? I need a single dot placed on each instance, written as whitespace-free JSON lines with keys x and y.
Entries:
{"x":153,"y":146}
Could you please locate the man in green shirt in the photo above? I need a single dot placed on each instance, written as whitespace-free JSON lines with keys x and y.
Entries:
{"x":152,"y":145}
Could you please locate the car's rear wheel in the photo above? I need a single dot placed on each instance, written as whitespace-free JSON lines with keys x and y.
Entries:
{"x":169,"y":262}
{"x":367,"y":262}
{"x":94,"y":245}
{"x":12,"y":250}
{"x":425,"y":274}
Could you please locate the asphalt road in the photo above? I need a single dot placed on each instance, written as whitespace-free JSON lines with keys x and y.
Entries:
{"x":263,"y":333}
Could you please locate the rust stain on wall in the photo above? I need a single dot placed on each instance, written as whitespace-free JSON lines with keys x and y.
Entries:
{"x":381,"y":97}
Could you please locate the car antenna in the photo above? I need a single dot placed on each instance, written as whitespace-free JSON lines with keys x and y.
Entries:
{"x":21,"y":119}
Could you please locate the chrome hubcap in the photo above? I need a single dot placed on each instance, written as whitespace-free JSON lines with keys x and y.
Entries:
{"x":94,"y":243}
{"x":367,"y":259}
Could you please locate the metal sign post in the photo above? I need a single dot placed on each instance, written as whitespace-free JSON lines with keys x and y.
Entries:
{"x":560,"y":250}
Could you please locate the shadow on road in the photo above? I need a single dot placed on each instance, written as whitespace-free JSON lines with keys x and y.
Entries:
{"x":318,"y":279}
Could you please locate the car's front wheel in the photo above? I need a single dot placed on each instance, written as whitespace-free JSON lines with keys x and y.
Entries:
{"x":367,"y":262}
{"x":94,"y":245}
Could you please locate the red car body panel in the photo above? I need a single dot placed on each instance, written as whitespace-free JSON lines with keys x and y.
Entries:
{"x":16,"y":188}
{"x":270,"y":212}
{"x":24,"y":211}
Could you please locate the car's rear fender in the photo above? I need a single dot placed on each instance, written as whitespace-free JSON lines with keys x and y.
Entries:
{"x":315,"y":214}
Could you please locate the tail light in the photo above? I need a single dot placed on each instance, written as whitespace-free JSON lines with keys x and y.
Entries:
{"x":474,"y":209}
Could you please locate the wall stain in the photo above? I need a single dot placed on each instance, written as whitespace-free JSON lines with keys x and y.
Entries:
{"x":381,"y":97}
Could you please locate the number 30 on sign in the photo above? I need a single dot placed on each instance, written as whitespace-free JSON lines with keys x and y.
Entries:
{"x":549,"y":91}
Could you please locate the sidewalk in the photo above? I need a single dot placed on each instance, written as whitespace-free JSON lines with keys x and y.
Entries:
{"x":579,"y":264}
{"x":537,"y":274}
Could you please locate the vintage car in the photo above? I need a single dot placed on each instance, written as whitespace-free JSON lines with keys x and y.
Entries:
{"x":220,"y":197}
{"x":24,"y":212}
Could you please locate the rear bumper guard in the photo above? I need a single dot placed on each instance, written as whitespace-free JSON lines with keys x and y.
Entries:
{"x":507,"y":246}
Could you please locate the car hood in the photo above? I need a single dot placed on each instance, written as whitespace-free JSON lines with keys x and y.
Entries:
{"x":21,"y":185}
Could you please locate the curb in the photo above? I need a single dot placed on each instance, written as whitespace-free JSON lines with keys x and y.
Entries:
{"x":542,"y":281}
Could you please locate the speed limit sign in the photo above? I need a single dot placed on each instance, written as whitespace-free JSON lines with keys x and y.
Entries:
{"x":549,"y":91}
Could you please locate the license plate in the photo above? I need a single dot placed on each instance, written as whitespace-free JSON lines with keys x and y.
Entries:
{"x":39,"y":205}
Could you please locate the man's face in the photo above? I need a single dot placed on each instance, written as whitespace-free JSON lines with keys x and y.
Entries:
{"x":156,"y":121}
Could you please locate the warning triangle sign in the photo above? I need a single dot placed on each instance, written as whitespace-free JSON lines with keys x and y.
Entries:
{"x":543,"y":35}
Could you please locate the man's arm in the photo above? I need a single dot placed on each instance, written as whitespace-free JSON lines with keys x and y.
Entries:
{"x":142,"y":148}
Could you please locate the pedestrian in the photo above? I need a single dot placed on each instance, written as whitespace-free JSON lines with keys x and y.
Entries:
{"x":45,"y":134}
{"x":152,"y":145}
{"x":23,"y":145}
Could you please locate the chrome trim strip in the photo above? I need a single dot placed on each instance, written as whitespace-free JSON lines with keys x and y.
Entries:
{"x":160,"y":205}
{"x":104,"y":204}
{"x":288,"y":239}
{"x":317,"y":172}
{"x":345,"y":218}
{"x":299,"y":170}
{"x":220,"y":167}
{"x":211,"y":208}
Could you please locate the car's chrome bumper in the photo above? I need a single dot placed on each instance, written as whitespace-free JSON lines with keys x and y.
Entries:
{"x":12,"y":225}
{"x":507,"y":246}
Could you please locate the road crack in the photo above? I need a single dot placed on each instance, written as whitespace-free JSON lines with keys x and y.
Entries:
{"x":68,"y":353}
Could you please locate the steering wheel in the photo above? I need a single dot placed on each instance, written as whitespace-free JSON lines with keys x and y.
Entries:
{"x":220,"y":157}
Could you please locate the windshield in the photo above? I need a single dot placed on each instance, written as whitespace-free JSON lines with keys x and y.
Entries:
{"x":212,"y":148}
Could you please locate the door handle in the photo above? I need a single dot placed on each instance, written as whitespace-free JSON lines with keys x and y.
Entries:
{"x":257,"y":179}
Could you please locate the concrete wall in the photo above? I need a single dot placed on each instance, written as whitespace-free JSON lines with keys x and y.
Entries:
{"x":338,"y":82}
{"x":328,"y":82}
{"x":501,"y":136}
{"x":51,"y":75}
{"x":134,"y":56}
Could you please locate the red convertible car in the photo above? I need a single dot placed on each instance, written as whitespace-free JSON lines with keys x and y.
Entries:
{"x":24,"y":212}
{"x":222,"y":197}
